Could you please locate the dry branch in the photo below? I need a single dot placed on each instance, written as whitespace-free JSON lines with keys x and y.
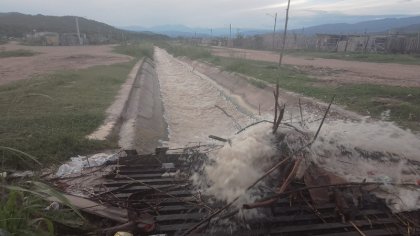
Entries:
{"x":228,"y":115}
{"x":283,"y":187}
{"x":323,"y":119}
{"x":343,"y":185}
{"x":195,"y":227}
{"x":163,"y":192}
{"x":279,"y":119}
{"x":301,"y":113}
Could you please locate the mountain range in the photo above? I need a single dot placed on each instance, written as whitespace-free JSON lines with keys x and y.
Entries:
{"x":400,"y":24}
{"x":17,"y":25}
{"x":13,"y":24}
{"x":373,"y":26}
{"x":185,"y":31}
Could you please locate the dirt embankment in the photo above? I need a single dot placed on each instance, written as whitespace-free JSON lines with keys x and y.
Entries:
{"x":136,"y":116}
{"x":337,"y":71}
{"x":51,"y":59}
{"x":261,"y":100}
{"x":143,"y":125}
{"x":115,"y":112}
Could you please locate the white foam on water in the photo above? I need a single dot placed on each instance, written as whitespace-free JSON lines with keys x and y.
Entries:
{"x":194,"y":107}
{"x":375,"y":152}
{"x":232,"y":169}
{"x":356,"y":151}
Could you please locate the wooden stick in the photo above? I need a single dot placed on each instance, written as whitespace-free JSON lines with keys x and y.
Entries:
{"x":357,"y":228}
{"x":291,"y":175}
{"x":279,"y":119}
{"x":256,"y":123}
{"x":284,"y":35}
{"x":189,"y":231}
{"x":316,"y":212}
{"x":343,"y":185}
{"x":168,"y":194}
{"x":276,"y":100}
{"x":218,"y":138}
{"x":301,"y":113}
{"x":228,"y":115}
{"x":283,"y":187}
{"x":323,"y":119}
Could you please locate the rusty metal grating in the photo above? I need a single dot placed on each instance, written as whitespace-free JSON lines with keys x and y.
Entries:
{"x":158,"y":184}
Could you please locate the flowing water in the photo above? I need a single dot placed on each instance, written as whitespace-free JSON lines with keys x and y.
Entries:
{"x":196,"y":107}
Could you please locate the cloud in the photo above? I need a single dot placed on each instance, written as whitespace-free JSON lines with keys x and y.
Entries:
{"x":215,"y":13}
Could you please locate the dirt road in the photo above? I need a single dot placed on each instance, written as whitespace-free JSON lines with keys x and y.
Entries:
{"x":54,"y":58}
{"x":337,"y":71}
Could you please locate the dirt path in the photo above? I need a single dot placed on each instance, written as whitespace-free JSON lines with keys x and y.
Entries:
{"x":338,"y":71}
{"x":52,"y":59}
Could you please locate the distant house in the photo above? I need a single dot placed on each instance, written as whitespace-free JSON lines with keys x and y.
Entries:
{"x":43,"y":38}
{"x":329,"y":42}
{"x":373,"y":43}
{"x":55,"y":39}
{"x":71,"y":39}
{"x":97,"y":39}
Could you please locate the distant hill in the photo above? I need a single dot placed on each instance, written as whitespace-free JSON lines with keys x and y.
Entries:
{"x":185,"y":31}
{"x":411,"y":29}
{"x":372,"y":26}
{"x":15,"y":24}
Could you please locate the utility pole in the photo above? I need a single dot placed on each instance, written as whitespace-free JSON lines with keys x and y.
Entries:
{"x":303,"y":38}
{"x":78,"y":31}
{"x":418,"y":41}
{"x":230,"y":34}
{"x":274,"y":31}
{"x":284,"y":34}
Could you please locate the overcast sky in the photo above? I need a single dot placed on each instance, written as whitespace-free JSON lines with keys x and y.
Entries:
{"x":215,"y":13}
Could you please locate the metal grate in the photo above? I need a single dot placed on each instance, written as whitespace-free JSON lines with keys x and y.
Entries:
{"x":144,"y":183}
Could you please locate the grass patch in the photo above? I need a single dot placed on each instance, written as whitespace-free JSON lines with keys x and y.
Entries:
{"x":49,"y":116}
{"x":136,"y":50}
{"x":22,"y":210}
{"x":410,"y":59}
{"x":366,"y":99}
{"x":193,"y":52}
{"x":17,"y":53}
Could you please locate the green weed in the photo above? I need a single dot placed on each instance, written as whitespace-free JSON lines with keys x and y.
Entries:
{"x":22,"y":209}
{"x":136,"y":50}
{"x":17,"y":53}
{"x":49,"y":116}
{"x":411,"y":59}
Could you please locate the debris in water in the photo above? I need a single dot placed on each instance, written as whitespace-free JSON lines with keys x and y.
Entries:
{"x":77,"y":164}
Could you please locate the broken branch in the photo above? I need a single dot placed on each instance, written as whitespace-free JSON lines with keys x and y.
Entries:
{"x":323,"y":119}
{"x":192,"y":229}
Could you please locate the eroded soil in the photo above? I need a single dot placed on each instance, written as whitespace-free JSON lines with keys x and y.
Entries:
{"x":55,"y":58}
